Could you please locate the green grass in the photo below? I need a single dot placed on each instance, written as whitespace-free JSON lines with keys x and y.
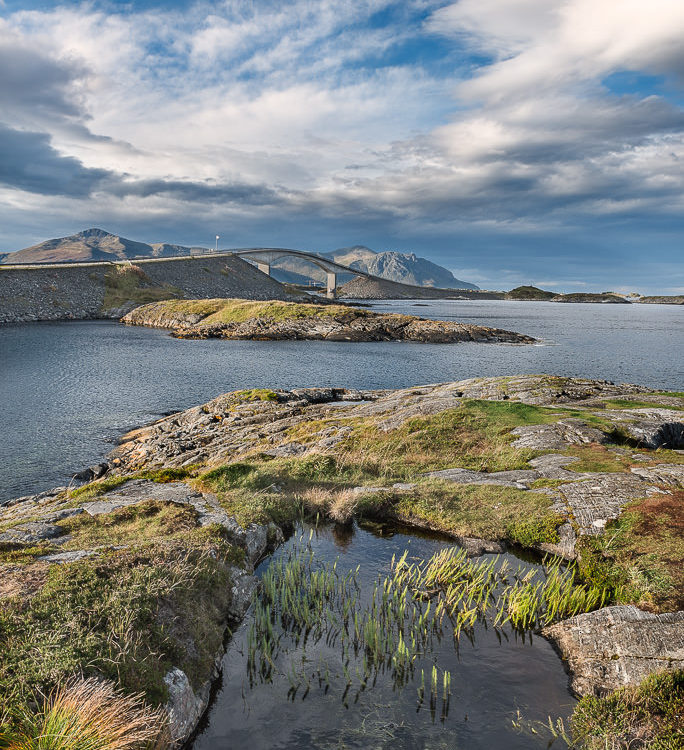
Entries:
{"x":128,"y":283}
{"x":148,"y":519}
{"x":648,"y":715}
{"x":216,"y":311}
{"x":255,"y":394}
{"x":126,"y":614}
{"x":484,"y":511}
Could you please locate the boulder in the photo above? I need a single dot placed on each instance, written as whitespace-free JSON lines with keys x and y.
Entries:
{"x":617,"y":646}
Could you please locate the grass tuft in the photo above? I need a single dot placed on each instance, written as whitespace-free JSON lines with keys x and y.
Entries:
{"x":87,"y":714}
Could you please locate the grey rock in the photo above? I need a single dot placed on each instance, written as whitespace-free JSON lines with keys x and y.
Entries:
{"x":361,"y":490}
{"x":60,"y":515}
{"x":287,"y":449}
{"x":618,"y":646}
{"x":520,"y":479}
{"x":557,"y":435}
{"x":652,"y":428}
{"x":32,"y":532}
{"x":92,"y":472}
{"x":667,"y":474}
{"x":595,"y":501}
{"x":474,"y":546}
{"x":256,"y":541}
{"x":565,"y":546}
{"x":68,"y":557}
{"x":184,"y":708}
{"x":243,"y":586}
{"x":101,"y":507}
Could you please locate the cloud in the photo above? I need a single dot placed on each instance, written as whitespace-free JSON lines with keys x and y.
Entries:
{"x":28,"y":162}
{"x":420,"y":119}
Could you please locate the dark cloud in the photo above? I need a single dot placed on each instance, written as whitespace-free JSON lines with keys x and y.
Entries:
{"x":29,"y":162}
{"x":243,"y":193}
{"x":36,"y":84}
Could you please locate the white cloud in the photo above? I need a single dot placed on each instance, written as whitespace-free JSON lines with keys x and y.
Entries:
{"x":523,"y":139}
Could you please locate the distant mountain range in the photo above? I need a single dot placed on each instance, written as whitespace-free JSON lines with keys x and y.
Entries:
{"x":98,"y":245}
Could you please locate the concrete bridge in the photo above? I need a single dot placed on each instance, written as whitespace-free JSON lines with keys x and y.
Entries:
{"x":263,"y":257}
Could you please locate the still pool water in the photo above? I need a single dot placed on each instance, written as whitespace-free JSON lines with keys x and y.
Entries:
{"x":492,"y":679}
{"x":69,"y":390}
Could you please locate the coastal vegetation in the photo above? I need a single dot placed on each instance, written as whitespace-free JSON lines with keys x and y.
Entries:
{"x":129,"y":591}
{"x":126,"y":284}
{"x":276,"y":320}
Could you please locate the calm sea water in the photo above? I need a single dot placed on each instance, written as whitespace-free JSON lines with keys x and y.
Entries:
{"x":492,"y":679}
{"x":69,"y":390}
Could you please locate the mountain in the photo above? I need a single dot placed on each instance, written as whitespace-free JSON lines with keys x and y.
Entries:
{"x":405,"y":268}
{"x":94,"y":244}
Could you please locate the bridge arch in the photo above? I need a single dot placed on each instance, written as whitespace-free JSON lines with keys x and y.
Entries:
{"x":265,"y":256}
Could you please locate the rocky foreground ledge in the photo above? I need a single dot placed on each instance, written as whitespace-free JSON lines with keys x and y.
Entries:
{"x":240,"y":319}
{"x":136,"y":575}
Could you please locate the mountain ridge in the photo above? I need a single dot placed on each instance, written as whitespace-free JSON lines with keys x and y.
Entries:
{"x":96,"y":244}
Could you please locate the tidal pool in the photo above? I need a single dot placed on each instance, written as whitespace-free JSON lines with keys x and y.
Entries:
{"x":495,"y":675}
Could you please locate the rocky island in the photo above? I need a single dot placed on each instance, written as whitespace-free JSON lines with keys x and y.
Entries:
{"x":276,"y":320}
{"x":135,"y":576}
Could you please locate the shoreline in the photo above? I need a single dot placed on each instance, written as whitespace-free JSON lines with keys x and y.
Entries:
{"x":235,"y":319}
{"x":147,"y":467}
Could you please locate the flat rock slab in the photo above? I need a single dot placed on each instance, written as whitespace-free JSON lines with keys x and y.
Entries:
{"x":32,"y":532}
{"x":618,"y":646}
{"x":68,"y":557}
{"x":520,"y":479}
{"x":668,"y":474}
{"x":557,"y":435}
{"x":595,"y":501}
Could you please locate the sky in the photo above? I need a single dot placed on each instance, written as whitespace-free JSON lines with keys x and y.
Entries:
{"x":511,"y":141}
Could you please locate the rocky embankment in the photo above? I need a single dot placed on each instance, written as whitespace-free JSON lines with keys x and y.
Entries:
{"x":108,"y":290}
{"x":232,"y":319}
{"x":174,"y":521}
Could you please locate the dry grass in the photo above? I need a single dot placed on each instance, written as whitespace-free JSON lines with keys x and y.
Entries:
{"x":338,"y":505}
{"x":22,"y":581}
{"x":87,"y":714}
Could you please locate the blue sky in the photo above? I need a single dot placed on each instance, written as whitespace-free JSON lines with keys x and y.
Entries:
{"x":512,"y":141}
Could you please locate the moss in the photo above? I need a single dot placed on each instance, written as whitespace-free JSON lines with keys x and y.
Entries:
{"x":98,"y":487}
{"x":255,"y":394}
{"x":129,"y":283}
{"x":648,"y":715}
{"x":536,"y":530}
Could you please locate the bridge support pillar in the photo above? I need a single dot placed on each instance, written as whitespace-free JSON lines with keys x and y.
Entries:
{"x":332,"y":284}
{"x":264,"y":268}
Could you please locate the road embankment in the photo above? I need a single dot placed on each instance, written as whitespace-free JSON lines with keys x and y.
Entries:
{"x":81,"y":291}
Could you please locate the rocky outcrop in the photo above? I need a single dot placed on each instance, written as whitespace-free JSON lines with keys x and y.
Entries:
{"x":618,"y":646}
{"x":604,"y":649}
{"x":186,"y":703}
{"x":340,"y":324}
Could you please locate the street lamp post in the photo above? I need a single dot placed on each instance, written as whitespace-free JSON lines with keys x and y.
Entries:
{"x":216,"y":246}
